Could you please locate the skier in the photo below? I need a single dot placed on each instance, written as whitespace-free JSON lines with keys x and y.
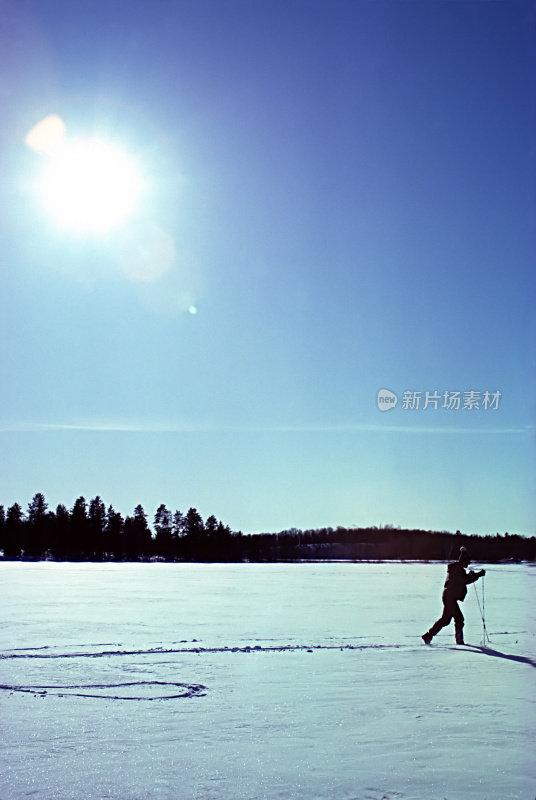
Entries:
{"x":455,"y":589}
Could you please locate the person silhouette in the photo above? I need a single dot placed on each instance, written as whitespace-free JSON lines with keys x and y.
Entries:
{"x":455,"y":590}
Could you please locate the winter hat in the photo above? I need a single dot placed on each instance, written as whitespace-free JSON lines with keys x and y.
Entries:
{"x":463,"y":558}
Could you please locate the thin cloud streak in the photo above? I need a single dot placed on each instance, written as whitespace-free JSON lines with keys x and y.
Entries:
{"x":135,"y":427}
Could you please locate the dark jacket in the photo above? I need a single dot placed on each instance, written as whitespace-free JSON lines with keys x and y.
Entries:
{"x":457,"y":581}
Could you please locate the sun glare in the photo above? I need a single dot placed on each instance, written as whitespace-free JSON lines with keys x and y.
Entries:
{"x":89,"y":185}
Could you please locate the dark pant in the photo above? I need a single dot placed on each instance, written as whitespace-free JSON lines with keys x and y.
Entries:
{"x":451,"y":610}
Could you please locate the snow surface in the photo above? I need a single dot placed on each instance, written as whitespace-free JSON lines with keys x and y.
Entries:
{"x":253,"y":681}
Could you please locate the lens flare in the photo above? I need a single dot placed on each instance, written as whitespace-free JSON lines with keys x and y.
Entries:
{"x":47,"y":136}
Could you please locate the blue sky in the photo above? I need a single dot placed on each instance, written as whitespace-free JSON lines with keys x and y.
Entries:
{"x":347,"y":192}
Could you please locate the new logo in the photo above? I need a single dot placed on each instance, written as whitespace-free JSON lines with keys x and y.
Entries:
{"x":386,"y":400}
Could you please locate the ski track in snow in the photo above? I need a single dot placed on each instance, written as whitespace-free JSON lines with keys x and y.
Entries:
{"x":89,"y":652}
{"x":141,"y":690}
{"x":189,"y":690}
{"x":145,"y":690}
{"x":280,"y":648}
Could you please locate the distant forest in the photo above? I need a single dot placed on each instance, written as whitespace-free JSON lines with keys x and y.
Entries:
{"x":93,"y":532}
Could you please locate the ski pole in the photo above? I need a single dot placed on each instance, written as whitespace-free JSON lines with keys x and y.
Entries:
{"x":480,"y":608}
{"x":483,"y":612}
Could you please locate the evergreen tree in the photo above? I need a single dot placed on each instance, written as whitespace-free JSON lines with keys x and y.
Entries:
{"x":130,"y":552}
{"x":179,"y":524}
{"x":163,"y":525}
{"x":195,"y":536}
{"x":96,"y":529}
{"x":13,"y":532}
{"x":138,"y":539}
{"x":37,"y":508}
{"x":145,"y":539}
{"x":211,"y":526}
{"x":60,"y":544}
{"x":219,"y":540}
{"x":194,"y":523}
{"x":115,"y":534}
{"x":179,"y":534}
{"x":35,"y":540}
{"x":79,"y":530}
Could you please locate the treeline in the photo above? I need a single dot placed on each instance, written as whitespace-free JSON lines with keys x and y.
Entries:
{"x":93,"y":532}
{"x":390,"y":543}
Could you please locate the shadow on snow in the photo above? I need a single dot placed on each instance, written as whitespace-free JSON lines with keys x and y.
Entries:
{"x":488,"y":651}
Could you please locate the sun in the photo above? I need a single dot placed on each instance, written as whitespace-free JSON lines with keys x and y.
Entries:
{"x":89,"y":185}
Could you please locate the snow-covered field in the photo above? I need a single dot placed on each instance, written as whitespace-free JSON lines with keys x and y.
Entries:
{"x":250,"y":681}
